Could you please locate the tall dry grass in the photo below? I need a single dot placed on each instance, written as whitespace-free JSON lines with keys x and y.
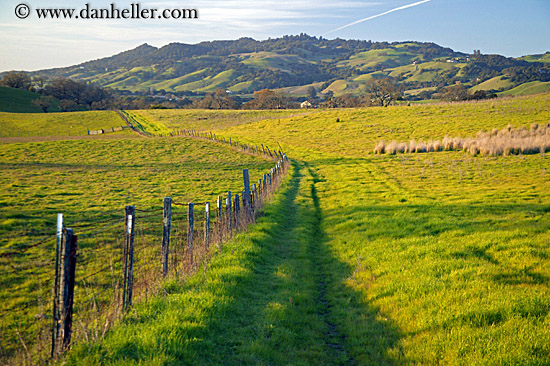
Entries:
{"x":508,"y":141}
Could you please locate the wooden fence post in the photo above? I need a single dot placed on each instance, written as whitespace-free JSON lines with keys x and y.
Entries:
{"x":63,"y":304}
{"x":237,"y":209}
{"x":246,"y":195}
{"x":263,"y":149}
{"x":206,"y":224}
{"x":167,"y":224}
{"x":254,"y":197}
{"x":259,"y":187}
{"x":190,"y":229}
{"x":229,"y":212}
{"x":129,"y":257}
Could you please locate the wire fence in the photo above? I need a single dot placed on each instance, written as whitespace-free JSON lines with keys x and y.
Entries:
{"x":72,"y":286}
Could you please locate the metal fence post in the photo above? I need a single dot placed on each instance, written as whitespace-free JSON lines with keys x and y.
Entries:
{"x":167,"y":224}
{"x":229,"y":211}
{"x":55,"y":325}
{"x":63,"y":309}
{"x":237,"y":209}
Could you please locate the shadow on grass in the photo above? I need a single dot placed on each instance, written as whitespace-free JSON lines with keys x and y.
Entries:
{"x":293,"y":306}
{"x":275,"y":296}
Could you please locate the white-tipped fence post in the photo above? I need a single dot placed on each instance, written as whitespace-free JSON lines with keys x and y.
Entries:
{"x":64,"y":291}
{"x":129,"y":257}
{"x":55,"y":327}
{"x":219,"y":207}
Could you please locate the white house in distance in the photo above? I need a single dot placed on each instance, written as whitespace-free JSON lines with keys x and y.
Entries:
{"x":306,"y":104}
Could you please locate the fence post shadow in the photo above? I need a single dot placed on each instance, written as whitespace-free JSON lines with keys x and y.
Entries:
{"x":339,"y":307}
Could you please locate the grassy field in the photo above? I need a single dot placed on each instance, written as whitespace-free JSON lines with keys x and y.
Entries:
{"x":91,"y":181}
{"x":57,"y":124}
{"x":205,"y":120}
{"x":436,"y":258}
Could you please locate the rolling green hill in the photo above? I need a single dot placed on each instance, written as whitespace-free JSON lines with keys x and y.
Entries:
{"x":290,"y":62}
{"x":534,"y":87}
{"x":496,"y":83}
{"x":537,"y":58}
{"x":20,"y":101}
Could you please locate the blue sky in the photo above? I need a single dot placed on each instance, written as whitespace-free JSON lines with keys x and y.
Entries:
{"x":510,"y":28}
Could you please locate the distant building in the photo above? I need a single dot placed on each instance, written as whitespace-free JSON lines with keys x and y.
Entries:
{"x":306,"y":104}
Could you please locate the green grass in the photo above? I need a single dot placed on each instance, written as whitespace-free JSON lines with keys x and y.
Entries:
{"x":20,"y":101}
{"x":263,"y":300}
{"x":388,"y":57}
{"x":533,"y":87}
{"x":57,"y":124}
{"x":359,"y":130}
{"x":496,"y":83}
{"x":91,"y":181}
{"x":435,"y":258}
{"x":425,"y":71}
{"x":430,"y":256}
{"x":545,"y":58}
{"x":205,"y":120}
{"x":209,"y":83}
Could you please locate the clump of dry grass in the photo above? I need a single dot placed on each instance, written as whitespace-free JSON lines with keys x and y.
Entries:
{"x":508,"y":141}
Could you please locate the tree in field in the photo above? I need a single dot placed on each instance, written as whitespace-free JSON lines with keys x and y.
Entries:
{"x":311,"y":94}
{"x":79,"y":92}
{"x":19,"y":80}
{"x":222,"y":100}
{"x":455,"y":93}
{"x":383,"y":91}
{"x":330,"y":100}
{"x":219,"y":99}
{"x":68,"y":105}
{"x":267,"y":99}
{"x":44,"y":102}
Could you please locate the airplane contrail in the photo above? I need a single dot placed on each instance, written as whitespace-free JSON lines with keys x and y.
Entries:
{"x":378,"y":15}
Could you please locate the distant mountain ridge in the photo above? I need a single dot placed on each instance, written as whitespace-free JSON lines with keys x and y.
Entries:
{"x":290,"y":63}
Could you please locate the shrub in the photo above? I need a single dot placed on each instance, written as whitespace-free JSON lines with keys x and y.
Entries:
{"x":508,"y":141}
